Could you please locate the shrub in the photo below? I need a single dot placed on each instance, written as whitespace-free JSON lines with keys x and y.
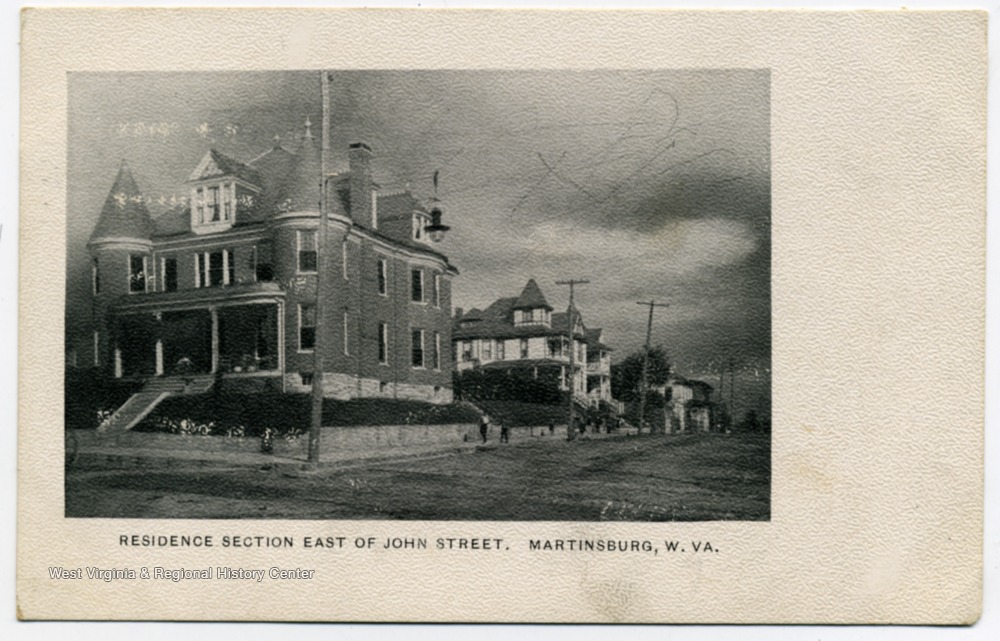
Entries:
{"x":288,"y":415}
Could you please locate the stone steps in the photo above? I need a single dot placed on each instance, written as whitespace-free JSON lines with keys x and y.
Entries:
{"x":140,"y":404}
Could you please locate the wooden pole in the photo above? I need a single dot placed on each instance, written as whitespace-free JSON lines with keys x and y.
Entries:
{"x":645,"y":360}
{"x":319,"y":344}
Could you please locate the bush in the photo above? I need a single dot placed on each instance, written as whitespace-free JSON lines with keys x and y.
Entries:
{"x":509,"y":385}
{"x":288,"y":415}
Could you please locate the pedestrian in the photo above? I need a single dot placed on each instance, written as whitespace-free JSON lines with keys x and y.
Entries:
{"x":484,"y":426}
{"x":552,"y":428}
{"x":504,"y":433}
{"x":267,"y":441}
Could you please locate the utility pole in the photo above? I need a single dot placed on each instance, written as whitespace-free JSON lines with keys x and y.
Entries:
{"x":321,"y":248}
{"x":732,"y":387}
{"x":570,"y":428}
{"x":645,"y":360}
{"x":722,"y":383}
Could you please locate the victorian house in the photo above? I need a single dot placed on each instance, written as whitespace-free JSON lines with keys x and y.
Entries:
{"x":522,"y":333}
{"x":224,"y":286}
{"x":690,"y":405}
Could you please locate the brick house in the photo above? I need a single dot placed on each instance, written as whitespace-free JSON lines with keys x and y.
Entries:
{"x":523,"y":334}
{"x":225,"y":284}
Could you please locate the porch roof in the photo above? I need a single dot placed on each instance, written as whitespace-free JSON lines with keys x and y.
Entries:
{"x":201,"y":297}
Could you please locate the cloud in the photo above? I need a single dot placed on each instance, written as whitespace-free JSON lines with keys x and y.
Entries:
{"x":675,"y":250}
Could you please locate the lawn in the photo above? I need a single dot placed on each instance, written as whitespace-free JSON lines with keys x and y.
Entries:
{"x":648,"y":478}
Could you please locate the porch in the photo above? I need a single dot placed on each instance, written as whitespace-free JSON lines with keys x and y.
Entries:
{"x":240,"y":338}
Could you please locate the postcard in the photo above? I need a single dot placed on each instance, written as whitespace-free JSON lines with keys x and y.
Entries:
{"x":608,"y":316}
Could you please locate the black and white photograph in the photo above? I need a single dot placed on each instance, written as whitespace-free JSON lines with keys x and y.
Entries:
{"x":434,"y":295}
{"x":621,"y":316}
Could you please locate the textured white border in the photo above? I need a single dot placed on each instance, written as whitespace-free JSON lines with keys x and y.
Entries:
{"x":985,"y":629}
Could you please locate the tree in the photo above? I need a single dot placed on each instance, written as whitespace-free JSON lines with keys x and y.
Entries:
{"x":626,"y":376}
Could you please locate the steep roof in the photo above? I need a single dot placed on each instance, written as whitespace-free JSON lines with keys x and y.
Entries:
{"x":302,"y":186}
{"x":594,"y":339}
{"x":274,"y":166}
{"x":398,"y":205}
{"x":531,"y":297}
{"x":124,"y":214}
{"x":216,"y":164}
{"x":173,"y":221}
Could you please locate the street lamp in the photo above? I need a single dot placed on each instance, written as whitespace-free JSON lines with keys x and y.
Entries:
{"x":436,"y":230}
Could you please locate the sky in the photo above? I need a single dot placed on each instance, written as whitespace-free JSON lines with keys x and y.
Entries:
{"x":651,"y":184}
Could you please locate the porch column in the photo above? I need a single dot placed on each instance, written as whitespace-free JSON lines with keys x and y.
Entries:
{"x":215,"y":339}
{"x":118,"y":361}
{"x":280,"y":307}
{"x":159,"y":344}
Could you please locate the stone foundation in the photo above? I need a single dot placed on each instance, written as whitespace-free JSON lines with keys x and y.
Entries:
{"x":344,"y":387}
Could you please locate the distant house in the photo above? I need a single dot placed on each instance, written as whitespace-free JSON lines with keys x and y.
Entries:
{"x":225,"y":283}
{"x":690,"y":404}
{"x":523,"y":334}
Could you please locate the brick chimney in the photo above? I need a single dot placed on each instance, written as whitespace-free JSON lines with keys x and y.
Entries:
{"x":360,"y":158}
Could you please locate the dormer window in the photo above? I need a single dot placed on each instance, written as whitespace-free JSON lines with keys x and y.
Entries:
{"x":534,"y":316}
{"x":214,"y":205}
{"x":419,"y":222}
{"x":221,"y":188}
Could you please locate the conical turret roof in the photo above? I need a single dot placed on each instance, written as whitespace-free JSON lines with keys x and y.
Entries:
{"x":302,"y":192}
{"x":124,"y":214}
{"x":531,"y":297}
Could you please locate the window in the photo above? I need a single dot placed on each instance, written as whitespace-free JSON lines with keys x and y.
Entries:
{"x":417,"y":347}
{"x":95,"y":277}
{"x":383,"y":343}
{"x":200,"y":201}
{"x":418,"y":227}
{"x":500,"y":354}
{"x":436,"y":292}
{"x":212,"y":204}
{"x":466,"y":351}
{"x":436,"y":355}
{"x":486,"y":349}
{"x":216,"y":271}
{"x":417,"y":279}
{"x":307,"y":328}
{"x":213,"y":269}
{"x":227,"y":201}
{"x":524,"y":348}
{"x":382,"y":268}
{"x":307,"y":251}
{"x":346,"y":348}
{"x":137,"y":273}
{"x":170,"y":274}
